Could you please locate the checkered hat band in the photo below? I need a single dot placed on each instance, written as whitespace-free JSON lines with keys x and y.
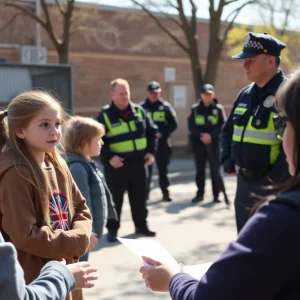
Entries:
{"x":254,"y":45}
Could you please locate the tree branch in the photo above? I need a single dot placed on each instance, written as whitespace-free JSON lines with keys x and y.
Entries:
{"x":235,"y":14}
{"x":11,"y":21}
{"x":60,"y":7}
{"x":26,"y":11}
{"x":49,"y":26}
{"x":169,"y":3}
{"x":230,"y":2}
{"x":161,"y":26}
{"x":171,"y":18}
{"x":194,"y":17}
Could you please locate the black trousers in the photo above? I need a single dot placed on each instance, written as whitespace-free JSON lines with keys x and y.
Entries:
{"x":247,"y":195}
{"x":132,"y":177}
{"x":201,"y":156}
{"x":162,"y":158}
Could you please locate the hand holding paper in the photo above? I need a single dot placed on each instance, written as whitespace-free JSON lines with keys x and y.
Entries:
{"x":159,"y":264}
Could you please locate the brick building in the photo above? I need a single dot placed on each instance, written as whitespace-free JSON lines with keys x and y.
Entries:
{"x":111,"y":42}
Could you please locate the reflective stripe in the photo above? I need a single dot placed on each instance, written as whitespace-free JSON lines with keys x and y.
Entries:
{"x":213,"y":119}
{"x":240,"y":110}
{"x":122,"y":127}
{"x":199,"y":119}
{"x":159,"y":116}
{"x":266,"y":136}
{"x":128,"y":146}
{"x":255,"y":137}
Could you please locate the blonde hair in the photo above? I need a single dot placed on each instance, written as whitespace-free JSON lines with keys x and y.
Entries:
{"x":79,"y":131}
{"x":19,"y":113}
{"x":116,"y":82}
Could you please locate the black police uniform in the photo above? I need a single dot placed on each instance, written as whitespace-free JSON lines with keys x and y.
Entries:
{"x":130,"y":134}
{"x":164,"y":116}
{"x":249,"y":137}
{"x":210,"y":120}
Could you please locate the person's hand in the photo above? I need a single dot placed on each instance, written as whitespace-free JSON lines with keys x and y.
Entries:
{"x":159,"y":135}
{"x":149,"y":159}
{"x":83,"y":274}
{"x":205,"y":138}
{"x":158,"y":276}
{"x":116,"y":161}
{"x":93,"y":242}
{"x":229,"y":167}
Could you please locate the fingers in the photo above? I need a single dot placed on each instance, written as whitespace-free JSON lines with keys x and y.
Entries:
{"x":91,"y":277}
{"x":87,"y":285}
{"x":151,"y":261}
{"x":90,"y":269}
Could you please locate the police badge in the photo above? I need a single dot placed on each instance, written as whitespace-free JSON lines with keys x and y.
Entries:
{"x":269,"y":101}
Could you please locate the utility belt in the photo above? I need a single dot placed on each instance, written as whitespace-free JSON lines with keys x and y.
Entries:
{"x":248,"y":173}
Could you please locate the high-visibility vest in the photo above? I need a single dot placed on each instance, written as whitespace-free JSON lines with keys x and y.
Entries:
{"x":124,"y":128}
{"x":264,"y":136}
{"x":158,"y":116}
{"x":200,"y":119}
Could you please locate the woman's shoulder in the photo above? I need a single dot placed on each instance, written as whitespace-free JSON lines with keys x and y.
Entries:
{"x":276,"y":219}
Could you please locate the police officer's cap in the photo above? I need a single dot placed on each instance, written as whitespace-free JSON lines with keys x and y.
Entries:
{"x":207,"y":89}
{"x":260,"y":43}
{"x":154,"y":86}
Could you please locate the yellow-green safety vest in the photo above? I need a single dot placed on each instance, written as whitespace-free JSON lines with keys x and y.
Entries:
{"x":200,"y":119}
{"x":158,"y":116}
{"x":123,"y":128}
{"x":265,"y":136}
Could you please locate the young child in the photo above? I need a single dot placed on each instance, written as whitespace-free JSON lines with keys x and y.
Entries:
{"x":53,"y":283}
{"x":42,"y":212}
{"x":82,"y":139}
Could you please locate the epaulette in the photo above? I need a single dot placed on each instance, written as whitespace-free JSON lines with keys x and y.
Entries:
{"x":105,"y":107}
{"x":195,"y":104}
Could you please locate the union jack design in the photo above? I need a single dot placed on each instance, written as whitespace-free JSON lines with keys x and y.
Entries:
{"x":59,"y":211}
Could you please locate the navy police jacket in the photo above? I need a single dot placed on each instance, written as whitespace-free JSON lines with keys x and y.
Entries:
{"x":249,"y":136}
{"x":163,"y":115}
{"x":204,"y":119}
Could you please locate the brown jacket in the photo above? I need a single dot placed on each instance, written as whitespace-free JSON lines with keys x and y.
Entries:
{"x":38,"y":245}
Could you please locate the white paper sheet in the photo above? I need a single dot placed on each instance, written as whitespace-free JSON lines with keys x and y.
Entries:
{"x":156,"y":251}
{"x":149,"y":248}
{"x":197,"y":271}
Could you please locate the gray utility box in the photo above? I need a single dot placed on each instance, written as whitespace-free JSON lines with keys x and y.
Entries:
{"x":16,"y":78}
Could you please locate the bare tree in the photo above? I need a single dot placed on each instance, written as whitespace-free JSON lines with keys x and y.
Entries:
{"x":280,"y":13}
{"x":188,"y":24}
{"x":65,"y":8}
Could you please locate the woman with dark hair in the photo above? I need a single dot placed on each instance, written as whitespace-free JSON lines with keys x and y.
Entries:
{"x":264,"y":262}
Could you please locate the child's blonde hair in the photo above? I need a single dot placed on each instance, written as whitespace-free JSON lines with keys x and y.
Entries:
{"x":19,"y":114}
{"x":80,"y":131}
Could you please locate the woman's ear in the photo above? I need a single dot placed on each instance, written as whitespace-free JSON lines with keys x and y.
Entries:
{"x":20,"y":134}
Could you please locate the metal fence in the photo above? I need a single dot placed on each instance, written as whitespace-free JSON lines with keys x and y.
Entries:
{"x":18,"y":78}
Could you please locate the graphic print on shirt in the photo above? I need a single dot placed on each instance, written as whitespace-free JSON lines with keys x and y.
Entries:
{"x":59,"y":211}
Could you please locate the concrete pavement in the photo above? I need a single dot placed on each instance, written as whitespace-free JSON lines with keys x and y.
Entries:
{"x":193,"y":234}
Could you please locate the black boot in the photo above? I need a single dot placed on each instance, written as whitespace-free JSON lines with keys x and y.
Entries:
{"x":145,"y":231}
{"x":197,"y":199}
{"x":112,"y":235}
{"x":166,"y":197}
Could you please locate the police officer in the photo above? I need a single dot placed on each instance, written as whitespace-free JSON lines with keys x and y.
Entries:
{"x":249,"y":138}
{"x":129,"y":146}
{"x":164,"y":116}
{"x":205,"y":123}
